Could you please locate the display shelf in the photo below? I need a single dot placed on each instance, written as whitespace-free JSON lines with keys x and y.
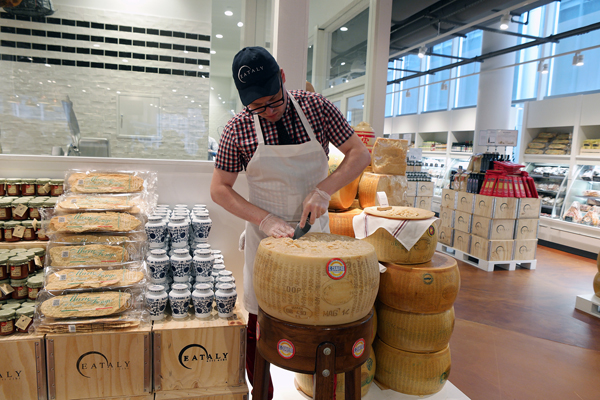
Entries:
{"x":434,"y":153}
{"x":538,"y":176}
{"x":460,"y":154}
{"x":548,"y":159}
{"x":588,"y":159}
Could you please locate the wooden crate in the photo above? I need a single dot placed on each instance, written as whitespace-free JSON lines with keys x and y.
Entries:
{"x":447,"y":217}
{"x":495,"y":207}
{"x":23,"y":370}
{"x":424,"y":189}
{"x":525,"y":249}
{"x":493,"y":229}
{"x":199,"y":353}
{"x":446,"y":235}
{"x":423,"y":202}
{"x":215,"y":393}
{"x":491,"y":250}
{"x":449,"y":198}
{"x":462,"y":241}
{"x":529,"y":208}
{"x":464,"y":202}
{"x":100,"y":365}
{"x":462,"y":221}
{"x":411,"y":189}
{"x":526,"y":228}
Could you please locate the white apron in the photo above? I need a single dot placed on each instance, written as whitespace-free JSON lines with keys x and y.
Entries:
{"x":279,"y":179}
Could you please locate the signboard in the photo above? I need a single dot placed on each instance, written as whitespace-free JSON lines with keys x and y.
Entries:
{"x":498,"y":137}
{"x":414,"y":154}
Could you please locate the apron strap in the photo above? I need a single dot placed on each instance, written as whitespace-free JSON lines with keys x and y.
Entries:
{"x":302,"y":118}
{"x":259,"y":133}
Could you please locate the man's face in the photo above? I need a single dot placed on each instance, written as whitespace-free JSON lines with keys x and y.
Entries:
{"x":270,"y":108}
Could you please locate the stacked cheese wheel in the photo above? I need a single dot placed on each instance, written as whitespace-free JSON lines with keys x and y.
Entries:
{"x":415,"y":322}
{"x":343,"y":198}
{"x":597,"y":279}
{"x":388,"y":160}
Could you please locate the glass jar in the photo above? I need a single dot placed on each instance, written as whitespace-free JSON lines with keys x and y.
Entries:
{"x":43,"y":186}
{"x":2,"y":186}
{"x":5,"y":297}
{"x":30,"y":261}
{"x":41,"y":253}
{"x":34,"y":284}
{"x":5,"y":209}
{"x":29,"y":233}
{"x":18,"y":267}
{"x":27,"y":312}
{"x":34,"y":208}
{"x":20,"y":209}
{"x":7,"y":322}
{"x":13,"y":187}
{"x":20,"y":289}
{"x":56,"y":187}
{"x":4,"y":274}
{"x":28,"y":187}
{"x":1,"y":231}
{"x":9,"y":226}
{"x":41,"y":234}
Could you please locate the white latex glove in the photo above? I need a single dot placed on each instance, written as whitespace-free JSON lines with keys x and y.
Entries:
{"x":274,"y":226}
{"x":316,"y":203}
{"x":242,"y":243}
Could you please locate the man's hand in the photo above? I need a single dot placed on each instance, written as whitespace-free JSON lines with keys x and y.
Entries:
{"x":276,"y":227}
{"x":315,"y":204}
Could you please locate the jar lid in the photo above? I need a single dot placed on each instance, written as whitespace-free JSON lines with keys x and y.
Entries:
{"x":202,"y":286}
{"x":27,"y":311}
{"x":35,"y":281}
{"x":4,"y":258}
{"x":5,"y":202}
{"x":203,"y":252}
{"x":39,"y":251}
{"x":36,"y":202}
{"x":2,"y":180}
{"x":30,"y":180}
{"x":19,"y":250}
{"x":13,"y":180}
{"x":42,"y":181}
{"x":11,"y":224}
{"x":11,"y":306}
{"x":226,"y":286}
{"x":181,"y":252}
{"x":57,"y":181}
{"x":27,"y":223}
{"x":50,"y":202}
{"x":18,"y":282}
{"x":6,"y":315}
{"x":156,"y":288}
{"x":17,"y":260}
{"x":21,"y":200}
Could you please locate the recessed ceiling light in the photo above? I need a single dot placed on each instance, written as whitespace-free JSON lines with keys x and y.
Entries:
{"x":96,"y":45}
{"x":229,"y":13}
{"x":47,"y":65}
{"x":240,"y":24}
{"x":212,"y":88}
{"x":342,"y":63}
{"x":193,"y":101}
{"x":185,"y":51}
{"x":219,"y":36}
{"x":124,"y":60}
{"x":213,"y":52}
{"x":186,"y":97}
{"x":83,"y":90}
{"x":343,"y":29}
{"x":201,"y":66}
{"x":174,"y":90}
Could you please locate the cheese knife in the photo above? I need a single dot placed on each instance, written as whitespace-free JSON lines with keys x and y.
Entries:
{"x":299,"y":232}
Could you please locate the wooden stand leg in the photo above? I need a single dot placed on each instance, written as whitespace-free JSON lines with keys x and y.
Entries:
{"x":352,"y":384}
{"x":324,"y":372}
{"x":260,"y":386}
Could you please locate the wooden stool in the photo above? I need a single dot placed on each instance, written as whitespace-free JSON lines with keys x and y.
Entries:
{"x":320,"y":350}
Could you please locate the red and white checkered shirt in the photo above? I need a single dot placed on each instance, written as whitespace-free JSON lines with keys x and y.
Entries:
{"x":238,"y":142}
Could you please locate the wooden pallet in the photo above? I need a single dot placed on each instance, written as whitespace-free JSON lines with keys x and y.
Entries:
{"x":588,"y":303}
{"x":484,"y":264}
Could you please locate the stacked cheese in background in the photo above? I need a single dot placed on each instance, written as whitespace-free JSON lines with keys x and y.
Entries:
{"x":490,"y":228}
{"x":95,"y":271}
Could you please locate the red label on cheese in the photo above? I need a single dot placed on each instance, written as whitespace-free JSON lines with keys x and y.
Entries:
{"x":336,"y":268}
{"x":359,"y":348}
{"x":286,"y":349}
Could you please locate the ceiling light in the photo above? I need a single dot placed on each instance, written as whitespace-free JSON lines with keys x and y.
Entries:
{"x":229,"y":13}
{"x":343,"y":63}
{"x":219,"y":36}
{"x":343,"y":29}
{"x":444,"y":86}
{"x":201,"y":66}
{"x":213,"y":52}
{"x":240,"y":24}
{"x":422,"y":51}
{"x":408,"y":93}
{"x":124,"y":60}
{"x":185,"y":51}
{"x":96,"y":45}
{"x":174,"y":90}
{"x":48,"y":65}
{"x":505,"y":22}
{"x":578,"y":59}
{"x":543,"y":67}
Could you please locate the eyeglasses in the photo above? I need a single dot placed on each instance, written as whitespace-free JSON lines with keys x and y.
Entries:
{"x":275,"y":104}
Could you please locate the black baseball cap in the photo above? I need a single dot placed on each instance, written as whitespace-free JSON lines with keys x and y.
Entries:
{"x":255,"y":73}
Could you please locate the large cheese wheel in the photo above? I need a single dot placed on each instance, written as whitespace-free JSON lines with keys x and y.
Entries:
{"x":427,"y":288}
{"x":389,"y":249}
{"x":319,"y":279}
{"x":389,"y":156}
{"x":340,"y":223}
{"x":418,"y":333}
{"x":417,"y":374}
{"x":598,"y":262}
{"x":304,"y":382}
{"x":597,"y":284}
{"x":394,"y":187}
{"x":343,"y":198}
{"x":375,"y":322}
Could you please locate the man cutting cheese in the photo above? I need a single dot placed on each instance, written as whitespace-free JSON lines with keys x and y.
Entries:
{"x":281,"y":139}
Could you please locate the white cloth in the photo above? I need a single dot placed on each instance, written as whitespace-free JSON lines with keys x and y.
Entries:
{"x":406,"y":231}
{"x":279,"y":178}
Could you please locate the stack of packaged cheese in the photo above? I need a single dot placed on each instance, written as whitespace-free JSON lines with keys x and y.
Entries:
{"x":95,"y":272}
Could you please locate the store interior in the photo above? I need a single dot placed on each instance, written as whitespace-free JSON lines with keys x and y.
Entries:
{"x":147,"y":86}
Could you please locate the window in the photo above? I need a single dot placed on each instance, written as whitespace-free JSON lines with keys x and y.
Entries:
{"x":525,"y":76}
{"x":354,"y":115}
{"x":467,"y":87}
{"x":309,"y":63}
{"x":408,"y":97}
{"x":436,"y":94}
{"x":348,"y":59}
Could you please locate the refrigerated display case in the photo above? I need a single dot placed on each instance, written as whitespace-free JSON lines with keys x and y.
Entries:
{"x":551,"y":182}
{"x":582,"y":203}
{"x":436,"y":167}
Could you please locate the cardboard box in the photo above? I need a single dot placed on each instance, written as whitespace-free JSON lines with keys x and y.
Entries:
{"x":23,"y":372}
{"x":462,"y":221}
{"x":100,"y":365}
{"x":491,"y":250}
{"x":495,"y":207}
{"x":462,"y":241}
{"x":525,"y":250}
{"x":424,"y":189}
{"x":199,"y":353}
{"x":526,"y":228}
{"x":446,"y":217}
{"x":446,"y":235}
{"x":216,"y":393}
{"x":449,"y":198}
{"x":411,"y":190}
{"x":464,"y":202}
{"x":493,"y":229}
{"x":423,"y":202}
{"x":529,"y":208}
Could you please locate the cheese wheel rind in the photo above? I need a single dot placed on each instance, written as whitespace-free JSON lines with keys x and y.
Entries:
{"x":343,"y":198}
{"x":597,"y":284}
{"x":393,"y":185}
{"x":389,"y":249}
{"x":389,"y":156}
{"x":319,"y":279}
{"x":340,"y":223}
{"x":417,"y":374}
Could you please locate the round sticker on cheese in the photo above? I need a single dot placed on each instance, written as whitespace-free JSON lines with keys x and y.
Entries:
{"x":336,"y":268}
{"x":431,"y":230}
{"x":257,"y":331}
{"x":359,"y":348}
{"x":286,"y":349}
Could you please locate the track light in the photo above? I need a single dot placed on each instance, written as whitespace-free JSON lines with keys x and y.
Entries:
{"x":505,"y":22}
{"x":408,"y":93}
{"x":422,"y":51}
{"x":444,"y":86}
{"x":543,"y":67}
{"x":578,"y":59}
